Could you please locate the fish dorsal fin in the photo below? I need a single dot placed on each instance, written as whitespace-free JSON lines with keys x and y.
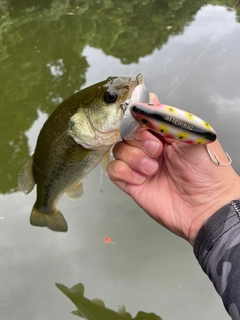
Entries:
{"x":26,"y":180}
{"x":104,"y":162}
{"x":75,"y":192}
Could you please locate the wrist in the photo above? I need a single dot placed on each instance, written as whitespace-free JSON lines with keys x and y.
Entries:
{"x":230,"y":195}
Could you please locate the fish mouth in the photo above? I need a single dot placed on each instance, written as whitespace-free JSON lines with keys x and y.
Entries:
{"x":108,"y":134}
{"x":111,"y":136}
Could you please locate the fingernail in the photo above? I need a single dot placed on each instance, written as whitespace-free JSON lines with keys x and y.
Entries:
{"x":139,"y":177}
{"x":151,"y":147}
{"x":149,"y":165}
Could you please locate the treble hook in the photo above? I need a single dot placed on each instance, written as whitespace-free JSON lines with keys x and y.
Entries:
{"x":215,"y":159}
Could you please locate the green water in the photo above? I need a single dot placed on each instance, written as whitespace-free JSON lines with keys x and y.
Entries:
{"x":36,"y":39}
{"x":188,"y":52}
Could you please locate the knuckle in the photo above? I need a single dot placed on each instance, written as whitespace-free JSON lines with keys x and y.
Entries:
{"x":134,"y":155}
{"x":118,"y":170}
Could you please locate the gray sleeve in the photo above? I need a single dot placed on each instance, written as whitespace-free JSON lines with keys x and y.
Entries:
{"x":217,"y":248}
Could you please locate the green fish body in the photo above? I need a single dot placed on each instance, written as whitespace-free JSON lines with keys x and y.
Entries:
{"x":77,"y":136}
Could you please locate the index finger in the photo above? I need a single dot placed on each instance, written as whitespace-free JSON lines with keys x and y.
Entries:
{"x":148,"y":143}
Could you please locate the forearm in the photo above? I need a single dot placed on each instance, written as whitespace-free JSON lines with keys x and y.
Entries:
{"x":217,"y":248}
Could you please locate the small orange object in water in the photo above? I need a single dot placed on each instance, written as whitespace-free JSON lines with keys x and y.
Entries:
{"x":107,"y":240}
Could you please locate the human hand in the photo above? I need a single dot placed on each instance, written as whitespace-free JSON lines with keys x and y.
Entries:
{"x":175,"y":183}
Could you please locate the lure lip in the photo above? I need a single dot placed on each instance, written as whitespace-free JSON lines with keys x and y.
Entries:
{"x":133,"y":80}
{"x":130,"y":126}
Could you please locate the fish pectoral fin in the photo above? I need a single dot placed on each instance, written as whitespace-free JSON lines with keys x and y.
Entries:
{"x":26,"y":180}
{"x":54,"y":220}
{"x":78,"y":313}
{"x":104,"y":162}
{"x":75,"y":192}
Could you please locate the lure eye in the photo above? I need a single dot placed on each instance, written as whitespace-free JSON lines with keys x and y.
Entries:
{"x":110,"y":97}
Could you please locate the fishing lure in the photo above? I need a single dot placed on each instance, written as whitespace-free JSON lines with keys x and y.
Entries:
{"x":130,"y":126}
{"x":166,"y":120}
{"x":174,"y":123}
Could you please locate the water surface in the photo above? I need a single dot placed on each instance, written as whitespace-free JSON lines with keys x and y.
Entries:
{"x":188,"y":53}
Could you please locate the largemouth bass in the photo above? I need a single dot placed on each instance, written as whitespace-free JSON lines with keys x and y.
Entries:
{"x":77,"y":136}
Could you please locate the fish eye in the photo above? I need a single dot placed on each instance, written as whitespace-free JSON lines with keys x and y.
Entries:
{"x":110,"y":97}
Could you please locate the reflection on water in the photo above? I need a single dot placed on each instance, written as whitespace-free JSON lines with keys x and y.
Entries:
{"x":34,"y":130}
{"x":42,"y":58}
{"x":95,"y":309}
{"x":49,"y":50}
